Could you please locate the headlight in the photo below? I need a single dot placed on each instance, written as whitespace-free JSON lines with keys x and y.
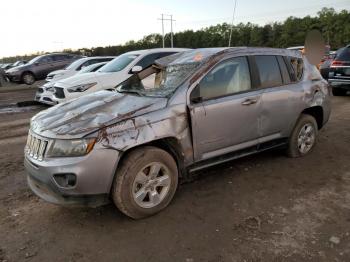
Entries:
{"x":12,"y":70}
{"x":68,"y":148}
{"x":80,"y":88}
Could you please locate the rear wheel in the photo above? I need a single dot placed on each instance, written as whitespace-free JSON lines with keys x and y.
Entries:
{"x":28,"y":78}
{"x":339,"y":91}
{"x":145,"y":182}
{"x":303,"y":138}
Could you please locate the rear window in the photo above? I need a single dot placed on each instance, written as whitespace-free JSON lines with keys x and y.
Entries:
{"x":269,"y":71}
{"x":344,"y":55}
{"x":296,"y":68}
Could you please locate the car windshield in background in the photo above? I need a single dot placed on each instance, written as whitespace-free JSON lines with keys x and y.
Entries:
{"x":158,"y":82}
{"x":74,"y":65}
{"x":118,"y":63}
{"x":344,"y":54}
{"x":35,"y":59}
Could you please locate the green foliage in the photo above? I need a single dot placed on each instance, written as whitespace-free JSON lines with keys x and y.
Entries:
{"x":335,"y":27}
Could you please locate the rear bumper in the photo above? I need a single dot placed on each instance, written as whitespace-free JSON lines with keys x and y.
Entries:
{"x":341,"y":83}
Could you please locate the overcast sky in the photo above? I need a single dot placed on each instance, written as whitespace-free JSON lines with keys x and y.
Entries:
{"x":28,"y":26}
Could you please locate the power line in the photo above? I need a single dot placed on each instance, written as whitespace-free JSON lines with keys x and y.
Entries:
{"x":233,"y":17}
{"x":171,"y":28}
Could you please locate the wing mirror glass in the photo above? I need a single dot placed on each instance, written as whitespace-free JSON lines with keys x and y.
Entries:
{"x":195,"y":96}
{"x":136,"y":69}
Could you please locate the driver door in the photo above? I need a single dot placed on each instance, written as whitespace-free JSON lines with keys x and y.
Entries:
{"x":224,"y":110}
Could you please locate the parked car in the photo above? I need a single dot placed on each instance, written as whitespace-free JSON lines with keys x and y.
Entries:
{"x":19,"y":63}
{"x":205,"y":107}
{"x":110,"y":75}
{"x":39,"y":67}
{"x":45,"y":93}
{"x":339,"y":73}
{"x":5,"y":66}
{"x":326,"y":64}
{"x":75,"y":67}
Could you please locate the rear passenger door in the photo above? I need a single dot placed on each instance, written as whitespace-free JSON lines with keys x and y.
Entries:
{"x":44,"y":66}
{"x":225,"y":117}
{"x":279,"y":98}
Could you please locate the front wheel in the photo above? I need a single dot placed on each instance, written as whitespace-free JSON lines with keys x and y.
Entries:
{"x":28,"y":78}
{"x":145,"y":182}
{"x":303,"y":138}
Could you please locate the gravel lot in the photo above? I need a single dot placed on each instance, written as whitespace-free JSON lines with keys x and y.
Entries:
{"x":265,"y":207}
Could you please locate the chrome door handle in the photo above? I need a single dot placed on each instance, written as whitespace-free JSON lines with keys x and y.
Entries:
{"x":249,"y":101}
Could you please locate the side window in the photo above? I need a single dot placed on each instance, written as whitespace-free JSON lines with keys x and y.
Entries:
{"x":58,"y":57}
{"x":229,"y":77}
{"x":284,"y":70}
{"x":296,"y":68}
{"x":45,"y":60}
{"x":269,"y":71}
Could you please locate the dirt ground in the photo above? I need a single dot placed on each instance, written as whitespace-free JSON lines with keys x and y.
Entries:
{"x":265,"y":207}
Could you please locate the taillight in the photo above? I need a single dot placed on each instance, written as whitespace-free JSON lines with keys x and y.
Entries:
{"x":337,"y":63}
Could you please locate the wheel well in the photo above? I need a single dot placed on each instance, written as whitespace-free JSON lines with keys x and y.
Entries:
{"x":25,"y":72}
{"x":170,"y":145}
{"x":317,"y":113}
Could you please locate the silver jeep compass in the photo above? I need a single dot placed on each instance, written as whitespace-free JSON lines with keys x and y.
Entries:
{"x":184,"y":113}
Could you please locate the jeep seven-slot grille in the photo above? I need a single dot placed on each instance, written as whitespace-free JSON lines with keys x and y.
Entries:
{"x":36,"y":147}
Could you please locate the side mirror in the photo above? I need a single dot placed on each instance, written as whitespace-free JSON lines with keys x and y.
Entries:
{"x":36,"y":63}
{"x":195,"y":96}
{"x":136,"y":69}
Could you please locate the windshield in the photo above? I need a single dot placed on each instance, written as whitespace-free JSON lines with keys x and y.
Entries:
{"x":75,"y":64}
{"x":35,"y":59}
{"x":119,"y":63}
{"x":91,"y":68}
{"x":158,"y":82}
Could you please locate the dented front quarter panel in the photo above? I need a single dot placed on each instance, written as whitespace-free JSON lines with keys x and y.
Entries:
{"x":170,"y":122}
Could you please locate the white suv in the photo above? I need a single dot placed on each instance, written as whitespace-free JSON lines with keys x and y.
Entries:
{"x":110,"y":75}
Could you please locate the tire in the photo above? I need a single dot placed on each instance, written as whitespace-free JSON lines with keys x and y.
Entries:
{"x":339,"y":91}
{"x":136,"y":194}
{"x":28,"y":78}
{"x":303,"y":135}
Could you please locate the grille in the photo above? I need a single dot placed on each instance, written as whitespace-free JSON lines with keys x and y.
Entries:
{"x":59,"y":93}
{"x":40,"y":90}
{"x":36,"y":147}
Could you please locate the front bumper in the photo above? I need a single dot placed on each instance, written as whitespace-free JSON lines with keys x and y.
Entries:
{"x":94,"y":177}
{"x":14,"y":77}
{"x":45,"y":98}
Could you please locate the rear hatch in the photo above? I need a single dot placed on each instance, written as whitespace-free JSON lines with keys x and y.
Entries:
{"x":340,"y":67}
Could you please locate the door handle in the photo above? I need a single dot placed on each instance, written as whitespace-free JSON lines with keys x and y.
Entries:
{"x":249,"y":101}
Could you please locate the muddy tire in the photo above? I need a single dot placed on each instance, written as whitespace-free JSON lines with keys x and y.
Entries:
{"x":339,"y":91}
{"x":304,"y":137}
{"x":28,"y":78}
{"x":145,"y":182}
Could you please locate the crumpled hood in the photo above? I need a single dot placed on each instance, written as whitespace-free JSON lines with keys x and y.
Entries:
{"x":82,"y":116}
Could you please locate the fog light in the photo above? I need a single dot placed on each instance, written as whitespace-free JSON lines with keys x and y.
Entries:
{"x":65,"y":180}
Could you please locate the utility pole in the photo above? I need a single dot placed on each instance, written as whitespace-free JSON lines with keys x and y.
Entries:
{"x":171,"y":28}
{"x":233,"y":17}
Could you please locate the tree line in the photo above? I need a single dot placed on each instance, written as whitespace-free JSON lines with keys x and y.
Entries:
{"x":334,"y":26}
